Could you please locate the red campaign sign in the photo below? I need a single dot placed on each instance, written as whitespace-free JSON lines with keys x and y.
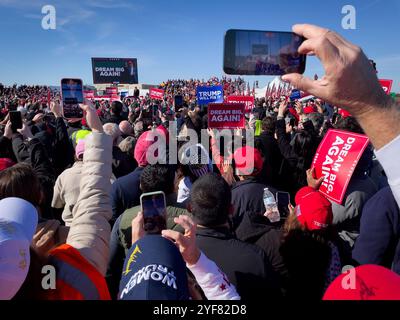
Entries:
{"x":156,"y":94}
{"x":226,"y":115}
{"x":386,"y":85}
{"x":104,"y":97}
{"x":88,"y":94}
{"x":114,"y":97}
{"x":336,"y":158}
{"x":247,"y":100}
{"x":111,"y":90}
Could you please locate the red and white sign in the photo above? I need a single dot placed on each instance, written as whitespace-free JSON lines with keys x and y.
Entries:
{"x":226,"y":115}
{"x":336,"y":158}
{"x":156,"y":94}
{"x":88,"y":94}
{"x":105,"y":97}
{"x":111,"y":90}
{"x":247,"y":100}
{"x":386,"y":85}
{"x":114,"y":97}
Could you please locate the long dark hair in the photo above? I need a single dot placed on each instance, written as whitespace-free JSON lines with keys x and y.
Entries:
{"x":21,"y":181}
{"x":305,"y":145}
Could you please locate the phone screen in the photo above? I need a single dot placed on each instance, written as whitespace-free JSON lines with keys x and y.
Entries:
{"x":178,"y":102}
{"x":283,"y":200}
{"x":154,"y":212}
{"x":72,"y":95}
{"x":16,"y":120}
{"x":250,"y":52}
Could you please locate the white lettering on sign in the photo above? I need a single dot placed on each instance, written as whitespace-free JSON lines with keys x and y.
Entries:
{"x":331,"y":165}
{"x":207,"y":95}
{"x":110,"y":72}
{"x":222,"y":118}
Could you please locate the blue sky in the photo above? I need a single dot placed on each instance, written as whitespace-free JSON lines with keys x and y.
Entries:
{"x":175,"y":38}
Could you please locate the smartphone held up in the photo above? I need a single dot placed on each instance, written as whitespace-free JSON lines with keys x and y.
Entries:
{"x":154,"y":212}
{"x":256,"y":53}
{"x":16,"y":120}
{"x":72,"y":96}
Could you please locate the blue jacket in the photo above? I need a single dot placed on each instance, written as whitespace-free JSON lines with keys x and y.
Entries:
{"x":379,"y":240}
{"x":125,"y":193}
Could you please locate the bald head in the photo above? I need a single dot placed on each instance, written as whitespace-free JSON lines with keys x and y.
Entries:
{"x":126,"y":128}
{"x":112,"y":130}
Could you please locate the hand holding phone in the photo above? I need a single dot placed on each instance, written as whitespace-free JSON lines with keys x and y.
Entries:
{"x":154,"y":212}
{"x":283,"y":201}
{"x":16,"y":120}
{"x":72,"y":96}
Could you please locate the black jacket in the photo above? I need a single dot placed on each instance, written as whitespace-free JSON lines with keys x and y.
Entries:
{"x":244,"y":264}
{"x":258,"y":230}
{"x":6,"y":150}
{"x":63,"y":151}
{"x":122,"y":164}
{"x":379,"y":240}
{"x":125,"y":193}
{"x":247,"y":196}
{"x":117,"y":119}
{"x":273,"y":159}
{"x":34,"y":154}
{"x":296,"y":164}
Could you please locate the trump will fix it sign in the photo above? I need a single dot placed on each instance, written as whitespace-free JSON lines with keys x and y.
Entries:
{"x":336,"y":158}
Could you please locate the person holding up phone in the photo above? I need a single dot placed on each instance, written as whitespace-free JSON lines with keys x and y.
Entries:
{"x":351,"y":81}
{"x":171,"y":249}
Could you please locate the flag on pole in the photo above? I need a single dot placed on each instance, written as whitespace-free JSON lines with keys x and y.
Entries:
{"x":267,"y":92}
{"x":48,"y":97}
{"x":273,"y":91}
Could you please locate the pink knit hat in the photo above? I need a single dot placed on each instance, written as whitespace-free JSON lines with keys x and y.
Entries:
{"x":80,"y":148}
{"x":144,"y":142}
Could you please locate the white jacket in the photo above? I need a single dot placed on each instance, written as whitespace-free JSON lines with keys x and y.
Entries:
{"x":212,"y":280}
{"x":388,"y":157}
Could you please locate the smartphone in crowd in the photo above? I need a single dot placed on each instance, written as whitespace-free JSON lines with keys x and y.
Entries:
{"x":252,"y":52}
{"x":16,"y":120}
{"x":283,"y":201}
{"x":178,"y":102}
{"x":154,"y":212}
{"x":72,"y":96}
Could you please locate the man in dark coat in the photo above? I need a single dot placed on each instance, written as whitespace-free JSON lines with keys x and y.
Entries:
{"x":379,"y":240}
{"x":248,"y":192}
{"x":245,"y":264}
{"x":272,"y":157}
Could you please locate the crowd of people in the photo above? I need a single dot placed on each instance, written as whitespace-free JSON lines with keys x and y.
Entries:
{"x":70,"y":193}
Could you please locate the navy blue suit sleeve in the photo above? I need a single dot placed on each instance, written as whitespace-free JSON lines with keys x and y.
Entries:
{"x":377,"y":230}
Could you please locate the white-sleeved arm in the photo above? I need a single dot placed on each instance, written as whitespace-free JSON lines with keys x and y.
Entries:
{"x":388,"y":157}
{"x":212,"y":280}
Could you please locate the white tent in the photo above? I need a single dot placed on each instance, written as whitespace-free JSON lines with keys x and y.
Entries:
{"x":260,"y":93}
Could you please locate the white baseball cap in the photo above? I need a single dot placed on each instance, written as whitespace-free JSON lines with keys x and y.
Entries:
{"x":18,"y":222}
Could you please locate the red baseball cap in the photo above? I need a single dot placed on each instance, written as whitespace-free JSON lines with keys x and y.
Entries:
{"x":248,"y":161}
{"x":367,"y":282}
{"x":313,"y":210}
{"x":345,"y":114}
{"x":308,"y":110}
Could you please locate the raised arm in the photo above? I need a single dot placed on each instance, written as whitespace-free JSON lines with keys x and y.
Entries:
{"x":350,"y":81}
{"x":211,"y":279}
{"x":90,"y":231}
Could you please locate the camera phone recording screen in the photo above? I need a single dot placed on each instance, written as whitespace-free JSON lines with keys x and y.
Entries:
{"x":262,"y":53}
{"x":153,"y":206}
{"x":72,"y":92}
